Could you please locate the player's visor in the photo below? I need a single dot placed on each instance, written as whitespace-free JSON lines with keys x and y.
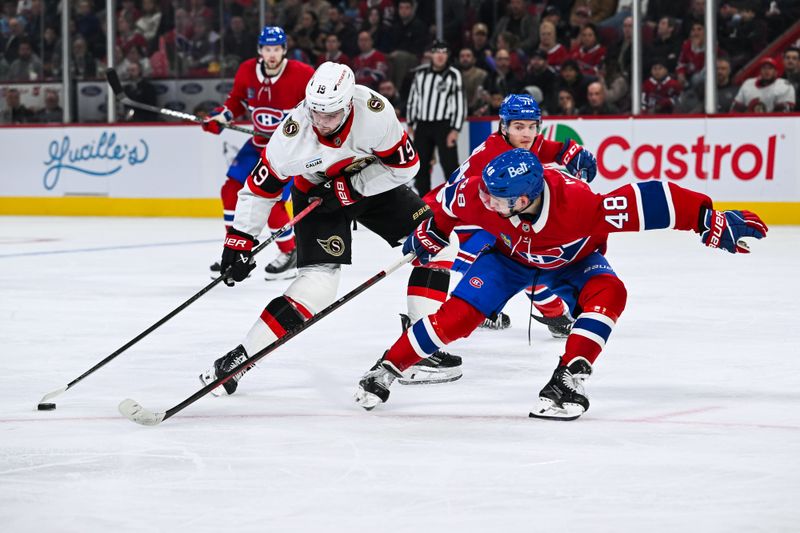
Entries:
{"x":503,"y":206}
{"x":327,"y":122}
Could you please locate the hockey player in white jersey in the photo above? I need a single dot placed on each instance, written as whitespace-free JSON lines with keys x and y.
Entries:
{"x":343,"y":144}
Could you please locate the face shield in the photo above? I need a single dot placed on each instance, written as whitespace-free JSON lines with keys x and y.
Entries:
{"x":505,"y":207}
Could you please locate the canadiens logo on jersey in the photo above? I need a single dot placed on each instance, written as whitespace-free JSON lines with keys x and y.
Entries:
{"x":266,"y":118}
{"x":554,"y":257}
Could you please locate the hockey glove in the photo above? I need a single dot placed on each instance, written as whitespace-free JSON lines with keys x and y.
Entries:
{"x":725,"y":229}
{"x":237,"y":256}
{"x":336,"y":193}
{"x":426,"y":241}
{"x":579,"y":161}
{"x":219,"y":116}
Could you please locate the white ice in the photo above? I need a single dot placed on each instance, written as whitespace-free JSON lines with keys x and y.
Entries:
{"x":694,"y":423}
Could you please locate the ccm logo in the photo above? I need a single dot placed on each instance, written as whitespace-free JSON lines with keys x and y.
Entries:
{"x":476,"y":282}
{"x":572,"y":152}
{"x":236,"y":244}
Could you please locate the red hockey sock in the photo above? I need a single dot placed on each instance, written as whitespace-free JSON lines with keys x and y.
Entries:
{"x":454,"y":320}
{"x":229,"y":193}
{"x":602,"y":301}
{"x":278,"y":217}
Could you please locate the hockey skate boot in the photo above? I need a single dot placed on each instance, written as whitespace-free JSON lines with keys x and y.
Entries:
{"x":559,"y":326}
{"x":282,"y":267}
{"x":439,"y":367}
{"x":502,"y":321}
{"x":564,"y":398}
{"x":373,"y":388}
{"x":222,"y":367}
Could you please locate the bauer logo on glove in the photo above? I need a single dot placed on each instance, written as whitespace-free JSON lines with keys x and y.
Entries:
{"x":726,"y":229}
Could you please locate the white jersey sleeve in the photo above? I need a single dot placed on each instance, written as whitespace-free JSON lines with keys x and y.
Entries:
{"x":260,"y":192}
{"x":397,"y":157}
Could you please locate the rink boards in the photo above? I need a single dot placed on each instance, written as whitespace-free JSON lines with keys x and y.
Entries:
{"x":177,"y":170}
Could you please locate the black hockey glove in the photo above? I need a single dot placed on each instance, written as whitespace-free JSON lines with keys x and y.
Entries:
{"x":237,"y":256}
{"x":335,"y":194}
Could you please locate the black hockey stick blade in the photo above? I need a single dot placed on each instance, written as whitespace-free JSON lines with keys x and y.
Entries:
{"x":298,"y":217}
{"x":113,"y":80}
{"x":133,"y":410}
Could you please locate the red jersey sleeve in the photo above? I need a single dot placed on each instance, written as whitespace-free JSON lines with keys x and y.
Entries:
{"x":645,"y":206}
{"x":546,"y":150}
{"x":238,"y":95}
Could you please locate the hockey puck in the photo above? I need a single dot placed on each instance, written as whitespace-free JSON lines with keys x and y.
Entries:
{"x":46,"y":406}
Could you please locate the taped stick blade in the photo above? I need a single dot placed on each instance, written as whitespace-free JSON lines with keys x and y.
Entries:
{"x":133,"y":411}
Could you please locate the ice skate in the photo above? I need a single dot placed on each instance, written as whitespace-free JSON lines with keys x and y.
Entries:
{"x":373,"y":388}
{"x":282,"y":267}
{"x":222,"y":367}
{"x":559,"y":326}
{"x":564,"y":398}
{"x":502,"y":321}
{"x":439,"y":367}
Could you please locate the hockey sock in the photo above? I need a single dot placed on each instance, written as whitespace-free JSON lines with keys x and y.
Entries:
{"x":229,"y":194}
{"x":281,"y":315}
{"x":454,"y":320}
{"x":546,"y":301}
{"x":277,"y":218}
{"x":427,"y":290}
{"x":602,"y":300}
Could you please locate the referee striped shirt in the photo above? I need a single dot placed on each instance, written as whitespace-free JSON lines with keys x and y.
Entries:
{"x":436,"y":96}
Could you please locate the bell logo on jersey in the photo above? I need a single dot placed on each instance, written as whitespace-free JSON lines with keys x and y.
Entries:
{"x":267,"y":118}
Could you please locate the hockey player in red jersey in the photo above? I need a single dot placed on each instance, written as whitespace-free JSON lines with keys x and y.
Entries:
{"x":345,"y":145}
{"x":552,"y":227}
{"x":268,"y":87}
{"x":520,"y":121}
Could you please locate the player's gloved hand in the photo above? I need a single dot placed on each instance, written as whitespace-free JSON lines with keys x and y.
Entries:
{"x":237,"y":256}
{"x":336,"y":193}
{"x":214,"y":121}
{"x":426,"y":241}
{"x":725,"y":229}
{"x":579,"y":161}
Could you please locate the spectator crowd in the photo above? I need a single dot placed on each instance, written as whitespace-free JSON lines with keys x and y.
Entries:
{"x":573,"y":56}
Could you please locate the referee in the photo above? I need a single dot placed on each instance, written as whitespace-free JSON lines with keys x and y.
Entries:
{"x":435,"y":112}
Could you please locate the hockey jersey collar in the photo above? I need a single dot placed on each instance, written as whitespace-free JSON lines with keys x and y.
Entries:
{"x":537,"y":222}
{"x":337,"y":140}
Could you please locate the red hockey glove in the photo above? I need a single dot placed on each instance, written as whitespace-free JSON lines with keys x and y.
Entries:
{"x":725,"y":229}
{"x":426,"y":241}
{"x":336,"y":193}
{"x":213,"y":123}
{"x":237,"y":256}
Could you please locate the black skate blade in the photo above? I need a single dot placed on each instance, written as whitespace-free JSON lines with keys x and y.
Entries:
{"x":557,"y":418}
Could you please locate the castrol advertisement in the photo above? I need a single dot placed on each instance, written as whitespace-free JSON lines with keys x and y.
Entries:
{"x":177,"y":170}
{"x":730,"y":159}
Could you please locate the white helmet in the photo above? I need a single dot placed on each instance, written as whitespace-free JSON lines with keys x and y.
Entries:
{"x":331,"y":89}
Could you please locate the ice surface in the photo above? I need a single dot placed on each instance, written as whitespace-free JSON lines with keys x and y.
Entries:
{"x":694,"y":424}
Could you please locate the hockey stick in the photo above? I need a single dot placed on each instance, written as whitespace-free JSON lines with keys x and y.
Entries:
{"x":119,"y":92}
{"x":133,"y":411}
{"x":299,"y":216}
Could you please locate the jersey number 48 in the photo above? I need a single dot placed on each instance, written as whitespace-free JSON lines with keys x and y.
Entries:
{"x":616,"y":203}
